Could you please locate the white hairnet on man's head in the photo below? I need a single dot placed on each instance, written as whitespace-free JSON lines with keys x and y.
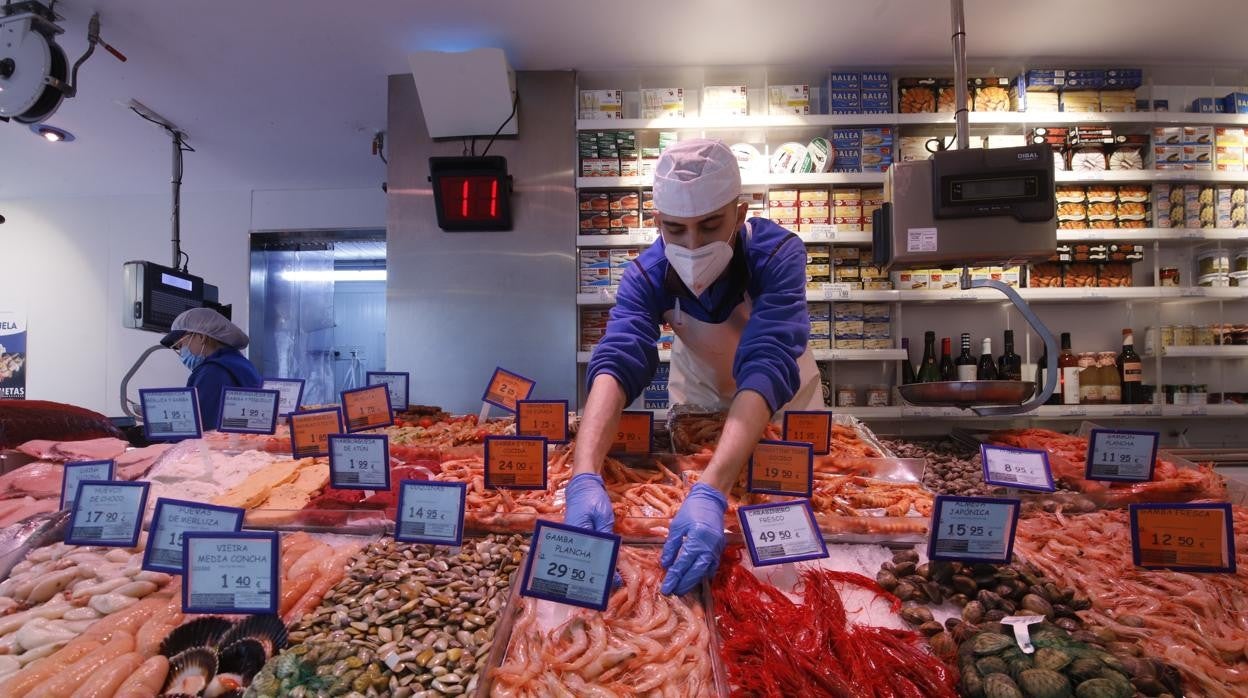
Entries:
{"x":209,"y":323}
{"x":696,"y":177}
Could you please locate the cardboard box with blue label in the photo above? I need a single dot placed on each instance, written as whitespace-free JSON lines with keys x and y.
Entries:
{"x":1235,"y":103}
{"x":845,"y":99}
{"x":876,"y":80}
{"x":845,"y":80}
{"x":1209,"y":105}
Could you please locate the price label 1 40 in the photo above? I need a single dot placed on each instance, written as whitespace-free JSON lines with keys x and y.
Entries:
{"x":359,"y":462}
{"x":174,"y":518}
{"x":1121,"y":455}
{"x":230,"y":572}
{"x":1022,"y":468}
{"x":430,"y":512}
{"x":1196,"y":537}
{"x":570,"y":565}
{"x":973,"y":529}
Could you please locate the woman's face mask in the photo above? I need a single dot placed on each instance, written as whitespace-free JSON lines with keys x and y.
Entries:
{"x":189,"y":358}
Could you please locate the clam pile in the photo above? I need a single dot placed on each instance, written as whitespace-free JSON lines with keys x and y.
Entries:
{"x":217,"y":658}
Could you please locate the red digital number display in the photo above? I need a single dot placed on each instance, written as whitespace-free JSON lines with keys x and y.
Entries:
{"x":470,"y":198}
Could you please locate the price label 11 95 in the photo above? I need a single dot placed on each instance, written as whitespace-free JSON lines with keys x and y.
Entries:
{"x":1197,"y":537}
{"x":635,"y":433}
{"x":230,"y":572}
{"x":505,"y":389}
{"x":172,"y":519}
{"x":310,"y":431}
{"x":290,"y":393}
{"x":248,"y":411}
{"x":170,"y":414}
{"x":107,"y":513}
{"x":570,"y":565}
{"x":1120,"y":455}
{"x":813,"y":427}
{"x":973,"y":529}
{"x":75,"y":473}
{"x":396,"y":385}
{"x":515,"y":462}
{"x":359,"y":462}
{"x":367,"y":408}
{"x":430,"y":512}
{"x":1016,"y":467}
{"x":781,"y":467}
{"x":778,"y":533}
{"x":546,"y":418}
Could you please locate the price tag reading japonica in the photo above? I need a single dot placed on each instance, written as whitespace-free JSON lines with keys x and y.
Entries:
{"x":814,"y":428}
{"x":172,"y":519}
{"x":367,"y":408}
{"x":546,"y":418}
{"x":1196,"y":537}
{"x":973,"y":529}
{"x":778,"y":533}
{"x":1120,"y":455}
{"x":247,"y":411}
{"x":430,"y":512}
{"x":170,"y":414}
{"x":1016,"y":467}
{"x":781,"y":467}
{"x":290,"y":392}
{"x":359,"y":462}
{"x":570,"y":565}
{"x":310,"y":431}
{"x":396,"y":385}
{"x":230,"y":572}
{"x":505,"y":389}
{"x":80,"y":471}
{"x":107,"y":513}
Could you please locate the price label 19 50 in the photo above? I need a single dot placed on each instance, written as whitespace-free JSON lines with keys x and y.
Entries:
{"x":635,"y":433}
{"x":785,"y":532}
{"x":75,"y":473}
{"x":367,"y":408}
{"x":107,"y":513}
{"x":359,"y":462}
{"x":1121,"y":455}
{"x":170,"y":414}
{"x":230,"y":572}
{"x":396,"y":383}
{"x":430,"y":512}
{"x":973,"y":529}
{"x":172,"y":519}
{"x":781,"y":467}
{"x":1196,"y":537}
{"x":505,"y":389}
{"x":1022,"y":468}
{"x":570,"y":565}
{"x":310,"y":431}
{"x":812,"y":427}
{"x":515,"y":462}
{"x":546,"y":418}
{"x":290,"y":392}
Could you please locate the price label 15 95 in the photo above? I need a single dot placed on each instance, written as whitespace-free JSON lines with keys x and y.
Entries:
{"x":973,"y":529}
{"x":813,"y":427}
{"x":230,"y":572}
{"x":359,"y":462}
{"x":174,"y":518}
{"x":546,"y":418}
{"x":1022,"y":468}
{"x":505,"y":389}
{"x":1196,"y":537}
{"x":310,"y":431}
{"x":785,"y":532}
{"x":430,"y":512}
{"x":570,"y":565}
{"x":170,"y":414}
{"x":1121,"y":455}
{"x":515,"y":462}
{"x":635,"y":433}
{"x":367,"y":408}
{"x":107,"y":513}
{"x":781,"y":467}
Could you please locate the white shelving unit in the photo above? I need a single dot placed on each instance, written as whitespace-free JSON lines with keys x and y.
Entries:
{"x":1050,"y":412}
{"x":1204,"y":352}
{"x":582,"y":357}
{"x":1031,"y":295}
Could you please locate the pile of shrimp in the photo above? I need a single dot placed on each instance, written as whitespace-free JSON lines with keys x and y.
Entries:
{"x":698,"y":434}
{"x":1196,"y":622}
{"x":644,"y":644}
{"x":644,"y":498}
{"x":1068,"y":459}
{"x":498,"y":510}
{"x":774,"y":647}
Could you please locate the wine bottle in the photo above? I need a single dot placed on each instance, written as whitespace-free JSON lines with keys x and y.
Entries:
{"x":1010,"y":365}
{"x":965,"y":363}
{"x":1041,"y":367}
{"x":907,"y":368}
{"x":1068,"y":372}
{"x":1130,"y":371}
{"x":929,"y":371}
{"x":987,"y":370}
{"x":947,"y":373}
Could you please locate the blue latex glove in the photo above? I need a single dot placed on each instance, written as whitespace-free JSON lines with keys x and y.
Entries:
{"x":588,"y":505}
{"x":695,"y":541}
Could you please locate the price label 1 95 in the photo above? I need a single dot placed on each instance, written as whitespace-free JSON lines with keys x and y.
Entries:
{"x":1022,"y":468}
{"x":172,"y":519}
{"x":515,"y":462}
{"x":781,"y":467}
{"x":290,"y":392}
{"x":367,"y":408}
{"x":248,"y":411}
{"x":813,"y":427}
{"x":396,"y":383}
{"x":1197,"y":537}
{"x":230,"y":572}
{"x":778,"y":533}
{"x":570,"y":565}
{"x":107,"y":513}
{"x":505,"y":389}
{"x":75,"y":473}
{"x":430,"y":512}
{"x":170,"y":414}
{"x":635,"y":433}
{"x":310,"y":431}
{"x":973,"y":529}
{"x":359,"y":462}
{"x":546,"y":418}
{"x":1120,"y":455}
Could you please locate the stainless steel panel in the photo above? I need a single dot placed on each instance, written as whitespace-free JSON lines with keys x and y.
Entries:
{"x":459,"y":304}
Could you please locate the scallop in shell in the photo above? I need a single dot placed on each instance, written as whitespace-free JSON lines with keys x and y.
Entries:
{"x":201,"y":632}
{"x":191,"y":671}
{"x":268,"y":630}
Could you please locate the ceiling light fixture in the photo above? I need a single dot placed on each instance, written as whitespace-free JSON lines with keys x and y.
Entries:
{"x":301,"y":275}
{"x":51,"y":133}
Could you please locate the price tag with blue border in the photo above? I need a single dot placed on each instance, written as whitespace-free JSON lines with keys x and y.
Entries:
{"x":515,"y":462}
{"x":1022,"y":468}
{"x":396,"y":383}
{"x":546,"y":418}
{"x":636,"y":433}
{"x":570,"y":565}
{"x":1121,"y":455}
{"x":430,"y":512}
{"x":505,"y":389}
{"x":781,"y":467}
{"x":230,"y":572}
{"x":359,"y":462}
{"x":1197,"y":537}
{"x":248,"y":411}
{"x":310,"y":431}
{"x":290,"y":391}
{"x":813,"y":427}
{"x":107,"y":513}
{"x":779,"y":533}
{"x":367,"y":408}
{"x":75,"y":473}
{"x":172,"y":519}
{"x":973,"y":529}
{"x":170,"y":414}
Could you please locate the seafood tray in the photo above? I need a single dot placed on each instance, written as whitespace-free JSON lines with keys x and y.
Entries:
{"x":695,"y":431}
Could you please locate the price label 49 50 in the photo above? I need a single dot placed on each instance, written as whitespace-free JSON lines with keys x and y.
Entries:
{"x":785,"y":532}
{"x":973,"y":529}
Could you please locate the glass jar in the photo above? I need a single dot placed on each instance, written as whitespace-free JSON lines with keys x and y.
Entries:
{"x":1213,"y":262}
{"x":1167,"y":335}
{"x":1184,"y":336}
{"x":1203,"y":336}
{"x":1111,"y":384}
{"x":1169,"y":276}
{"x":877,"y":396}
{"x":1239,"y":335}
{"x":846,"y":396}
{"x":1089,"y":380}
{"x":1198,"y":394}
{"x":1181,"y":393}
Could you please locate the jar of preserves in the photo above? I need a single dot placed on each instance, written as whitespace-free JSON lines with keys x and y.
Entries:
{"x":1169,"y":276}
{"x":1111,"y":384}
{"x":846,"y":396}
{"x":1184,"y":336}
{"x":1203,"y":336}
{"x":1198,"y":394}
{"x":1089,"y":380}
{"x":877,"y":396}
{"x":1167,"y":335}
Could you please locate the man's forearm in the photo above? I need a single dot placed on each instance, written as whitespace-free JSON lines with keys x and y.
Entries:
{"x":747,"y":418}
{"x":599,"y":424}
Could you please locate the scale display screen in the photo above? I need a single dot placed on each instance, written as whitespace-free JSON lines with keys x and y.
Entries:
{"x":992,"y":189}
{"x":153,"y":295}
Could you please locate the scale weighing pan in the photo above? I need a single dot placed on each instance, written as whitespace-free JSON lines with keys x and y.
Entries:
{"x":967,"y":393}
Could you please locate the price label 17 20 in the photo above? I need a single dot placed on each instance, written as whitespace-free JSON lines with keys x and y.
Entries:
{"x":430,"y":512}
{"x":781,"y":467}
{"x":230,"y":572}
{"x":1197,"y":537}
{"x":367,"y":408}
{"x":570,"y":565}
{"x":172,"y":519}
{"x":359,"y":462}
{"x":1022,"y":468}
{"x":107,"y":513}
{"x":170,"y":414}
{"x":1121,"y":455}
{"x":505,"y":389}
{"x":812,"y":427}
{"x":785,"y":532}
{"x":515,"y":462}
{"x":547,"y":418}
{"x":310,"y":431}
{"x":636,"y":431}
{"x":973,"y":529}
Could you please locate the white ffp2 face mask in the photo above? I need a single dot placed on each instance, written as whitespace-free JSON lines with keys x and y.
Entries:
{"x":701,"y":267}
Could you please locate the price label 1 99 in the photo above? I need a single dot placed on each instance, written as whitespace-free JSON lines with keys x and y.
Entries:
{"x":1022,"y":468}
{"x":107,"y":513}
{"x":172,"y":519}
{"x":75,"y":473}
{"x":781,"y":467}
{"x":1121,"y":455}
{"x":396,"y":383}
{"x":973,"y":529}
{"x":570,"y":565}
{"x":290,"y":393}
{"x":778,"y":533}
{"x":230,"y":572}
{"x":1197,"y":537}
{"x":310,"y":431}
{"x":248,"y":411}
{"x":813,"y":427}
{"x":359,"y":462}
{"x":546,"y":418}
{"x":505,"y":389}
{"x":430,"y":512}
{"x":170,"y":414}
{"x":367,"y":408}
{"x":515,"y":462}
{"x":635,"y":433}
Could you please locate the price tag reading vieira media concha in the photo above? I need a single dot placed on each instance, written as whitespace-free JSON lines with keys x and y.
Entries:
{"x":781,"y":467}
{"x":359,"y":462}
{"x":505,"y":389}
{"x":107,"y":513}
{"x":570,"y":565}
{"x":290,"y":392}
{"x":635,"y":433}
{"x":310,"y":431}
{"x":430,"y":512}
{"x":74,"y":473}
{"x":172,"y":519}
{"x":367,"y":408}
{"x":170,"y":414}
{"x":785,"y":532}
{"x":812,"y":427}
{"x":230,"y":572}
{"x":1022,"y":468}
{"x":1120,"y":455}
{"x":545,"y":418}
{"x":973,"y":529}
{"x":515,"y":462}
{"x":248,"y":411}
{"x":1196,"y":537}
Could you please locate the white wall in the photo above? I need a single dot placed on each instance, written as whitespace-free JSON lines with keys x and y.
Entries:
{"x":61,"y":257}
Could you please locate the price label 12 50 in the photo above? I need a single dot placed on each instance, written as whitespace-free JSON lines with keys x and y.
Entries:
{"x":1197,"y":537}
{"x":785,"y":532}
{"x":973,"y":529}
{"x":570,"y":565}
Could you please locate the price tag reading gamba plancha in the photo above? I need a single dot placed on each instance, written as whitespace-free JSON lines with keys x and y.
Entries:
{"x":570,"y":565}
